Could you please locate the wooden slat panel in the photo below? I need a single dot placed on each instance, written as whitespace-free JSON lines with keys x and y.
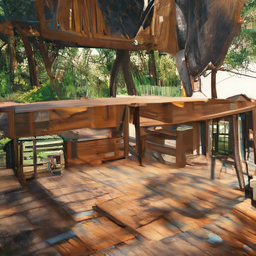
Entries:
{"x":160,"y":148}
{"x":104,"y":149}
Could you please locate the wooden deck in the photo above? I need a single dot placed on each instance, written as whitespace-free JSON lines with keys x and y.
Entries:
{"x":121,"y":208}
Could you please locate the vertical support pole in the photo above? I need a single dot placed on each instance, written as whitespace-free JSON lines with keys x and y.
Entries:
{"x":21,"y":176}
{"x":16,"y":156}
{"x":245,"y":130}
{"x":68,"y":150}
{"x":34,"y":158}
{"x":195,"y":138}
{"x":12,"y":134}
{"x":236,"y":152}
{"x":213,"y":167}
{"x":210,"y":131}
{"x":180,"y":149}
{"x":208,"y":138}
{"x":213,"y":84}
{"x":203,"y":133}
{"x":254,"y":132}
{"x":138,"y":135}
{"x":126,"y":131}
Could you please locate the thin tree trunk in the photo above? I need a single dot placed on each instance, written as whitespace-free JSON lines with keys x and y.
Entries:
{"x":122,"y":60}
{"x":117,"y":64}
{"x":12,"y":61}
{"x":47,"y":63}
{"x":128,"y":74}
{"x":152,"y":68}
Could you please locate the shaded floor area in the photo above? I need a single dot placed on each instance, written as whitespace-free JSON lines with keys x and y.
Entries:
{"x":121,"y":208}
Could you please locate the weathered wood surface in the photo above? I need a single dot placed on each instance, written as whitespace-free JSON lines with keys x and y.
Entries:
{"x":97,"y":150}
{"x":8,"y":181}
{"x":27,"y":219}
{"x":52,"y":117}
{"x":174,"y":211}
{"x":133,"y":100}
{"x":155,"y":140}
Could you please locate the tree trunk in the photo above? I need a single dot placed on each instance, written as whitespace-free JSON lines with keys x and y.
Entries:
{"x":128,"y":74}
{"x":117,"y":64}
{"x":12,"y":61}
{"x":213,"y":84}
{"x":47,"y":62}
{"x":122,"y":60}
{"x":31,"y":59}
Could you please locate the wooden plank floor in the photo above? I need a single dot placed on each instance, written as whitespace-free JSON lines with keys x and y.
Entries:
{"x":121,"y":208}
{"x":8,"y":181}
{"x":159,"y":210}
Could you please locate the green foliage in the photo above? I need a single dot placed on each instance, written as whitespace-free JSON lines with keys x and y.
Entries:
{"x":243,"y":48}
{"x":3,"y":143}
{"x":167,"y":70}
{"x":13,"y":10}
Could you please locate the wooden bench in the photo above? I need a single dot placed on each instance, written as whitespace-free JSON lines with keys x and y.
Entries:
{"x":154,"y":139}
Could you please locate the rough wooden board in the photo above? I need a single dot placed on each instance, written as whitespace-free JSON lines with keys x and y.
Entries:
{"x":158,"y":230}
{"x":74,"y":246}
{"x":130,"y":212}
{"x":246,"y":211}
{"x":185,"y":195}
{"x":101,"y":233}
{"x":8,"y":181}
{"x":25,"y":107}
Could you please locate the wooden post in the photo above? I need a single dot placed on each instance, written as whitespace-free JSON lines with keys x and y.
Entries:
{"x":12,"y":134}
{"x":254,"y":132}
{"x":126,"y":131}
{"x":16,"y":156}
{"x":208,"y":136}
{"x":21,"y":177}
{"x":246,"y":141}
{"x":195,"y":138}
{"x":203,"y":134}
{"x":213,"y":84}
{"x":236,"y":151}
{"x":180,"y":149}
{"x":11,"y":124}
{"x":34,"y":158}
{"x":138,"y":135}
{"x":31,"y":59}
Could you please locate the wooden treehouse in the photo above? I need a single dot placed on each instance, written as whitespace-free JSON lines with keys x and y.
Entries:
{"x":191,"y":31}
